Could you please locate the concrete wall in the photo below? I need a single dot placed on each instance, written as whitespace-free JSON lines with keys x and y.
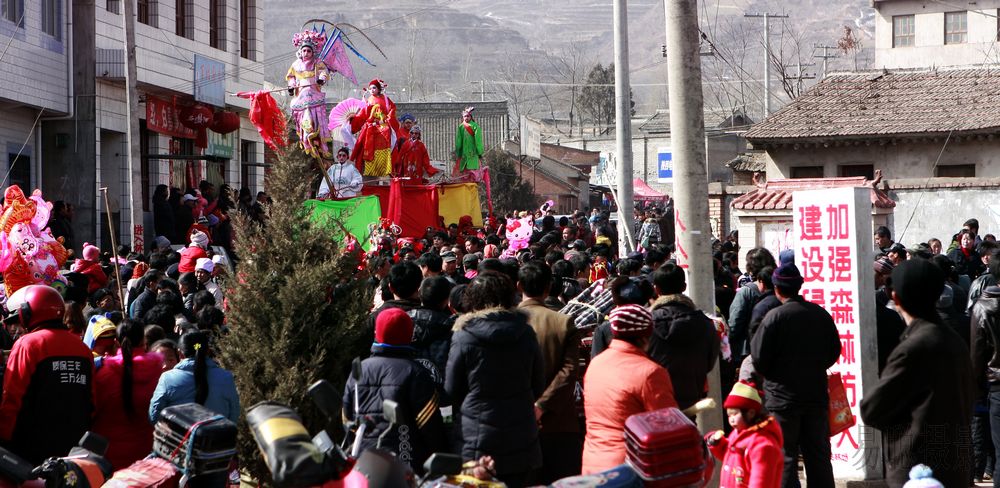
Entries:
{"x":939,"y":207}
{"x":34,"y":66}
{"x":900,"y":160}
{"x":929,"y":48}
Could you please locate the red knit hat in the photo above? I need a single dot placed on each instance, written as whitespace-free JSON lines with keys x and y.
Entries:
{"x":745,"y":396}
{"x":393,"y":327}
{"x":630,"y":321}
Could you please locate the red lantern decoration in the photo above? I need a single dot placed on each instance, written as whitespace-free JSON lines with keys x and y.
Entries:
{"x":197,"y":117}
{"x":225,"y":122}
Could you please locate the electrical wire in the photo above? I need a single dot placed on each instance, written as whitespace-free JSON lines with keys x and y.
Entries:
{"x":19,"y":151}
{"x":12,"y":32}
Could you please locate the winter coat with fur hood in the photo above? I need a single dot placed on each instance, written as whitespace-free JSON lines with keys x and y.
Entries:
{"x":495,"y":372}
{"x":685,"y":342}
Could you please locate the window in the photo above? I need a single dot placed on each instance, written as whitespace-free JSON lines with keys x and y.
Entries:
{"x":956,"y":29}
{"x":13,"y":10}
{"x":850,"y":170}
{"x":903,"y":31}
{"x":217,"y":24}
{"x":20,"y":173}
{"x":113,"y":6}
{"x":184,"y":21}
{"x":806,"y":171}
{"x":146,"y":12}
{"x":248,"y":160}
{"x":248,"y":39}
{"x":50,"y":18}
{"x":956,"y":171}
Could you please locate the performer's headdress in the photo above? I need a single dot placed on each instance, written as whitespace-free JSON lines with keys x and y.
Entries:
{"x":379,"y":83}
{"x":310,"y":38}
{"x":405,"y":117}
{"x":415,"y":128}
{"x":468,"y":111}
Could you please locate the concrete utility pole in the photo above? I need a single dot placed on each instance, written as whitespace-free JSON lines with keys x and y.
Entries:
{"x":767,"y":56}
{"x":623,"y":129}
{"x":133,"y":157}
{"x":687,"y":127}
{"x":825,"y":56}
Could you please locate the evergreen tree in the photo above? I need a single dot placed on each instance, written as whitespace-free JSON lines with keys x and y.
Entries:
{"x":510,"y":192}
{"x":296,"y":311}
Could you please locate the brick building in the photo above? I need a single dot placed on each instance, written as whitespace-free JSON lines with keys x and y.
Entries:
{"x":562,"y":175}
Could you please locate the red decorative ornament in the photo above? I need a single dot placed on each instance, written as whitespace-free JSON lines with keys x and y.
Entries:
{"x":225,"y":122}
{"x":197,"y":117}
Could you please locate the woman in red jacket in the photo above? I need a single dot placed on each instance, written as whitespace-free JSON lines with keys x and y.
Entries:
{"x":125,"y":385}
{"x":752,"y":456}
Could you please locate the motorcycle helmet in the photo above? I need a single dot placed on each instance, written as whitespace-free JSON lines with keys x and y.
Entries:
{"x":36,"y":304}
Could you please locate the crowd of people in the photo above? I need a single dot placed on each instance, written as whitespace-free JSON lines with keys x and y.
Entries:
{"x":487,"y":357}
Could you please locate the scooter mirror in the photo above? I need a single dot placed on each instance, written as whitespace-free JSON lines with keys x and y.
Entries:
{"x":94,"y":443}
{"x":391,"y":411}
{"x":356,"y":369}
{"x":443,"y":464}
{"x":325,"y":396}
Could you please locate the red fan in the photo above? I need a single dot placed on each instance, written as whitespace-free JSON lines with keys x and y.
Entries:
{"x":342,"y":113}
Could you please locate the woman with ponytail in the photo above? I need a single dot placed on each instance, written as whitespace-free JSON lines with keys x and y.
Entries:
{"x":125,"y":386}
{"x":196,"y":379}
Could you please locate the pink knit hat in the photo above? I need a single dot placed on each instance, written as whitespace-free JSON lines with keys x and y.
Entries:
{"x":91,"y":252}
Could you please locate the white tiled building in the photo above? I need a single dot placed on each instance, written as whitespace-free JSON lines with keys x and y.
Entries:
{"x":34,"y":81}
{"x":62,"y":100}
{"x":924,"y":34}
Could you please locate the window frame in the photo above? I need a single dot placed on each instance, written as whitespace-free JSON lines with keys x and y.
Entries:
{"x":896,"y":35}
{"x":248,"y":19}
{"x":13,"y":12}
{"x":52,"y":18}
{"x":964,"y":33}
{"x":184,"y":19}
{"x":792,"y":170}
{"x":217,"y":24}
{"x":955,"y":168}
{"x":147,"y":12}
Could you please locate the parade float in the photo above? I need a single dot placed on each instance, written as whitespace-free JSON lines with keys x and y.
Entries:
{"x":399,"y":186}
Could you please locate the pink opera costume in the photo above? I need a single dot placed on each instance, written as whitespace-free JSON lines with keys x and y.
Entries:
{"x":305,"y":79}
{"x":377,"y":126}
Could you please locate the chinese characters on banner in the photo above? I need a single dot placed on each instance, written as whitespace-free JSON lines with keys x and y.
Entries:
{"x":162,"y":117}
{"x":138,"y":242}
{"x":827,"y":254}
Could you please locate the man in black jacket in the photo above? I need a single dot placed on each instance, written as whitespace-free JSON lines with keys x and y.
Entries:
{"x":404,"y":283}
{"x":684,"y":340}
{"x":432,"y":323}
{"x":794,"y":346}
{"x":923,"y":401}
{"x":985,"y":315}
{"x":391,"y":374}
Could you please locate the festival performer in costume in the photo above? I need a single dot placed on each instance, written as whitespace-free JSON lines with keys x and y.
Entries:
{"x":406,"y":122}
{"x":468,"y":145}
{"x":345,"y":177}
{"x":305,"y":79}
{"x":416,"y":162}
{"x":376,"y":125}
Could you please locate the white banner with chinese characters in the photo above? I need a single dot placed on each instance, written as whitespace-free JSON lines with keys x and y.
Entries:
{"x":831,"y":228}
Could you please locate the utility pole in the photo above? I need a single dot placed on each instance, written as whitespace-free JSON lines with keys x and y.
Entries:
{"x":687,"y":126}
{"x":767,"y":56}
{"x":799,"y":76}
{"x":825,"y":56}
{"x":133,"y":157}
{"x":623,"y":129}
{"x":482,"y":90}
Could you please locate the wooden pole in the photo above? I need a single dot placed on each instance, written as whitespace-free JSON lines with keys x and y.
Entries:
{"x":114,"y":251}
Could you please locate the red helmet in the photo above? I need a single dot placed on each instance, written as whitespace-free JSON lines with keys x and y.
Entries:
{"x":37,"y":304}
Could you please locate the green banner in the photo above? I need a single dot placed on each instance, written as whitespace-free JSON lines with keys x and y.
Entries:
{"x":355,"y":214}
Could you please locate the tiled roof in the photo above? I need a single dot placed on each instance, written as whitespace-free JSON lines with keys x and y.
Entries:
{"x":888,"y":103}
{"x":777,"y":194}
{"x":570,"y":155}
{"x":747,"y":162}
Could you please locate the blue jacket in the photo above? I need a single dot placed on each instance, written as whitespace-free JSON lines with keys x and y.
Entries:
{"x":176,"y":387}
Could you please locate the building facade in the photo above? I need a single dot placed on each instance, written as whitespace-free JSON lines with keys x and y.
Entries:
{"x":924,"y":33}
{"x":187,"y":52}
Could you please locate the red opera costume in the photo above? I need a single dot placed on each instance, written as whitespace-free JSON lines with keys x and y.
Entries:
{"x":415,"y":161}
{"x":376,"y":125}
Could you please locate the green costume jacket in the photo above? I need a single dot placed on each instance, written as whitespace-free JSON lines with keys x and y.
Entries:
{"x":468,"y":146}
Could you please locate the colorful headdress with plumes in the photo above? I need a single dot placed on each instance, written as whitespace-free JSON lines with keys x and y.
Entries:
{"x":311,"y":37}
{"x":468,"y":110}
{"x":378,"y":82}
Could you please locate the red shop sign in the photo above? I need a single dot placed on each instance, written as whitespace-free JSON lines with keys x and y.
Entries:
{"x":162,"y":116}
